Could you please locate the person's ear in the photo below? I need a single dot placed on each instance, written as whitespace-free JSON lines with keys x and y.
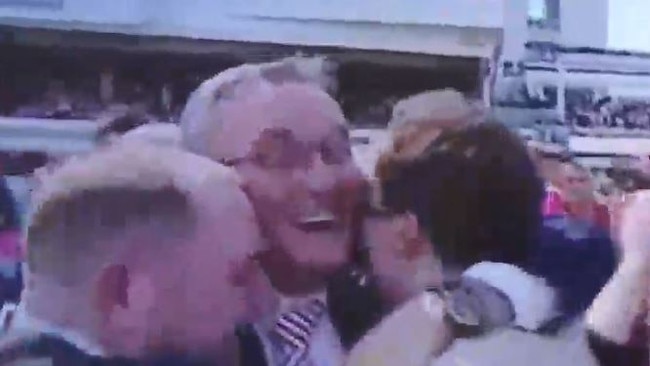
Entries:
{"x":120,"y":289}
{"x":123,"y":300}
{"x":412,"y":245}
{"x":112,"y":289}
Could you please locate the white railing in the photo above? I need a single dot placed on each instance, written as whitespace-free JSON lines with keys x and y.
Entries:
{"x":613,"y":145}
{"x":46,"y":135}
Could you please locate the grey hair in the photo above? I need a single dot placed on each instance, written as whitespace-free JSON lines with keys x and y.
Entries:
{"x":200,"y":119}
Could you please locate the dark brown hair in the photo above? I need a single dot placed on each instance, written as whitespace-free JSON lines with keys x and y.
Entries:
{"x":474,"y":191}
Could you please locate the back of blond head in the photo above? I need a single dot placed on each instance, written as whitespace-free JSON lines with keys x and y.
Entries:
{"x":85,"y":208}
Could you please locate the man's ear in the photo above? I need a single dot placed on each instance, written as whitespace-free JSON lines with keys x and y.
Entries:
{"x":112,"y":289}
{"x":412,"y":245}
{"x":407,"y":226}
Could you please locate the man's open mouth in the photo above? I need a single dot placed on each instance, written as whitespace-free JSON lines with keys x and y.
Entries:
{"x":319,"y":221}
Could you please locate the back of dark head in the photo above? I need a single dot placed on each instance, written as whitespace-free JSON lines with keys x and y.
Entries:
{"x":474,"y":191}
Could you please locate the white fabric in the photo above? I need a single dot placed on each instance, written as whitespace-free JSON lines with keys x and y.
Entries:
{"x":533,"y":300}
{"x":517,"y":348}
{"x":407,"y":337}
{"x":325,"y":348}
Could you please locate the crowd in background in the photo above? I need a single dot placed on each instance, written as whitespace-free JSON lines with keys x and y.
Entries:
{"x":614,"y":117}
{"x":248,"y":235}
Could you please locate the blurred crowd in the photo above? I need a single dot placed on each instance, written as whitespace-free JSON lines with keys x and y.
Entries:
{"x":610,"y":116}
{"x":60,"y":102}
{"x":248,"y":235}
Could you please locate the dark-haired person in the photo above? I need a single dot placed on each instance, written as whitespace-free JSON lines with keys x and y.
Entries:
{"x":621,"y":308}
{"x":354,"y":297}
{"x":462,"y":219}
{"x":579,"y":196}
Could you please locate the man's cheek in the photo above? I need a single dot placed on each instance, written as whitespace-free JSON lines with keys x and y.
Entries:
{"x":346,"y":197}
{"x":261,"y":299}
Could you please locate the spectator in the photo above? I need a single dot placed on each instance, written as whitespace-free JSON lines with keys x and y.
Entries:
{"x":579,"y":196}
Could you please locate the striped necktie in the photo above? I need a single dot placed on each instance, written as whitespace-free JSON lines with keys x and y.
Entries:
{"x":292,"y":331}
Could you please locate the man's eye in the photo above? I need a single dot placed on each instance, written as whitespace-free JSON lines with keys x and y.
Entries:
{"x":335,"y":153}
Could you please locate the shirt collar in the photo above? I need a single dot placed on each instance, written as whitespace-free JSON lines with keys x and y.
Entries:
{"x":289,"y":303}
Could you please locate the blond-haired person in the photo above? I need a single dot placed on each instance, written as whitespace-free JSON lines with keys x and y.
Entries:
{"x":141,"y":255}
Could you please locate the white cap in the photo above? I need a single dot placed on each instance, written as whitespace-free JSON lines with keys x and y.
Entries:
{"x":533,"y":300}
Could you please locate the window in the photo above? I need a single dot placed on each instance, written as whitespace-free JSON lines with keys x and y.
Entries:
{"x":544,"y":13}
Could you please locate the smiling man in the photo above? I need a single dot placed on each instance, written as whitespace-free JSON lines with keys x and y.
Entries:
{"x":289,"y":143}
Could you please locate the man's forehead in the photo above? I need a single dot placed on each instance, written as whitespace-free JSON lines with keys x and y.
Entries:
{"x":309,"y":113}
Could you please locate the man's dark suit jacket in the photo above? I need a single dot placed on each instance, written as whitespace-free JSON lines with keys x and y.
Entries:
{"x":611,"y":354}
{"x":62,"y":353}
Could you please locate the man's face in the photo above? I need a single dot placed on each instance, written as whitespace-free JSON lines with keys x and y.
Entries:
{"x":577,"y":184}
{"x":552,"y":172}
{"x":300,"y":176}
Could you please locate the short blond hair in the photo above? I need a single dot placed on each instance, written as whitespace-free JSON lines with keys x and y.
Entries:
{"x":94,"y":202}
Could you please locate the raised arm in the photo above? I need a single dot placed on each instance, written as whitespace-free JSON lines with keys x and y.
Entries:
{"x":616,"y":311}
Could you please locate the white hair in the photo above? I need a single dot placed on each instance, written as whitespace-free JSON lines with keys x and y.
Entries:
{"x":200,"y":118}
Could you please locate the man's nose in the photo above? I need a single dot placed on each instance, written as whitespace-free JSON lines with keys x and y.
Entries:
{"x":319,"y":176}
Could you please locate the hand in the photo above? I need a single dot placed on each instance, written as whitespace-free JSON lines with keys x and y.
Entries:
{"x":634,"y":232}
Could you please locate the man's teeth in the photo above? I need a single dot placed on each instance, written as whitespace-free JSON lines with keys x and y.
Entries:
{"x":318,"y":217}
